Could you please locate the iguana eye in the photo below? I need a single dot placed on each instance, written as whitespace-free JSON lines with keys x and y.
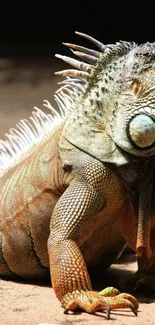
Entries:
{"x":136,"y":86}
{"x":141,"y":131}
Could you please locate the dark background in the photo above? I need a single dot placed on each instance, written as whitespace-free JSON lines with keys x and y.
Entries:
{"x":28,"y":30}
{"x":31,"y":33}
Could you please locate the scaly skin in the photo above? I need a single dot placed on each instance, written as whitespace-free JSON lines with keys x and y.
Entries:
{"x":27,"y":204}
{"x":84,"y":193}
{"x":77,"y":203}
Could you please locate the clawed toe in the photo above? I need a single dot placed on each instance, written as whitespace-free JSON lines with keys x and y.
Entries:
{"x":92,"y":301}
{"x":89,"y":301}
{"x":124,"y":300}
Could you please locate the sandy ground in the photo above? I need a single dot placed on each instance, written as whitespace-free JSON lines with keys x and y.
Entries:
{"x":35,"y":303}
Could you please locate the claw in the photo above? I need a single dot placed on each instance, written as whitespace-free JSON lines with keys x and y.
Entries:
{"x":133,"y":309}
{"x":134,"y":305}
{"x":92,"y":301}
{"x":107,"y":309}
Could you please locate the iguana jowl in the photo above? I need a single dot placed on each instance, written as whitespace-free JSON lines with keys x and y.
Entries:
{"x":77,"y":186}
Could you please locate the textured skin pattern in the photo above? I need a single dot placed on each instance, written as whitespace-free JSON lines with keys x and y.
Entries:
{"x":87,"y":191}
{"x":71,"y":208}
{"x":27,"y":208}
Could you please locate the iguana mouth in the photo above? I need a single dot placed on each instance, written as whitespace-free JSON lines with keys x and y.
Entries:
{"x":141,"y":131}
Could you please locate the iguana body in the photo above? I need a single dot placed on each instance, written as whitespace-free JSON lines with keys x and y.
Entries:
{"x":85,"y":191}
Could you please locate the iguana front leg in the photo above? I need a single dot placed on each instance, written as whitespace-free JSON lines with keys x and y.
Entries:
{"x":72,"y":222}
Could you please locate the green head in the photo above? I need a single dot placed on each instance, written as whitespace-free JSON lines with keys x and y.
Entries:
{"x":114,"y":115}
{"x":132,"y":122}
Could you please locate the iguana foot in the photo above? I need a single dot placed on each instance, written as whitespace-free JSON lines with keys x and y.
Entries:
{"x":144,"y":278}
{"x":93,"y":301}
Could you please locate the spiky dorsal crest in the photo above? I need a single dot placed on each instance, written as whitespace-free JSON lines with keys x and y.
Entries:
{"x":28,"y":133}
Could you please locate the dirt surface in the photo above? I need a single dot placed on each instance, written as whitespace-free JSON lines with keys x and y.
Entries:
{"x":35,"y":303}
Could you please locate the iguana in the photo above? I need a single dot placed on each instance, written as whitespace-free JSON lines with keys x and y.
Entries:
{"x":77,"y":184}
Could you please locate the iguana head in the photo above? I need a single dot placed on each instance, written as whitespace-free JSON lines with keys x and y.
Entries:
{"x":132,"y":123}
{"x":114,"y":115}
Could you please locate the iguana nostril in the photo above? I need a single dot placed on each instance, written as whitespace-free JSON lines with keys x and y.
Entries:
{"x":142,"y":130}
